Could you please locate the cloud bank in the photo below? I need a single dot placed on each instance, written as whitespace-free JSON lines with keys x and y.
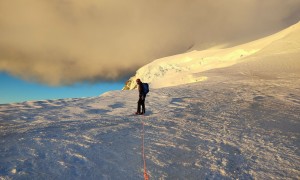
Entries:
{"x":61,"y":42}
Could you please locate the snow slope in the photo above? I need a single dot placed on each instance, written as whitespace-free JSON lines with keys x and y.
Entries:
{"x":229,"y":128}
{"x":185,"y":68}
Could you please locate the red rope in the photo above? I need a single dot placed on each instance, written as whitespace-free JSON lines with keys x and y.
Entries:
{"x":146,"y":176}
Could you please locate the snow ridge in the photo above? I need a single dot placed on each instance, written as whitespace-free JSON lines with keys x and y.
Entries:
{"x":186,"y":68}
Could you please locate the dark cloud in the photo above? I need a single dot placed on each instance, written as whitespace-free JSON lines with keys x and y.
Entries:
{"x":65,"y":41}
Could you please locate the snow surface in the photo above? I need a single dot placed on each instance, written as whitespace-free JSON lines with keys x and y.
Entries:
{"x":243,"y":122}
{"x":185,"y":68}
{"x":230,"y":128}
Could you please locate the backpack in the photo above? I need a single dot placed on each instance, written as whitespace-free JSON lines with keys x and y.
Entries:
{"x":146,"y":88}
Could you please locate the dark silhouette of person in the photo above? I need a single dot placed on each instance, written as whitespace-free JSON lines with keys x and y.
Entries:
{"x":142,"y":97}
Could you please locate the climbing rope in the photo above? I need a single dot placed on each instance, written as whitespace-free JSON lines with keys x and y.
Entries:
{"x":146,"y":176}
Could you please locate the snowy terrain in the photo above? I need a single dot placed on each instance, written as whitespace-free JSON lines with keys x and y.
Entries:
{"x":245,"y":128}
{"x":243,"y":122}
{"x":185,"y":68}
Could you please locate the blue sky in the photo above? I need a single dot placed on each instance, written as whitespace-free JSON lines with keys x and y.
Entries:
{"x":13,"y":89}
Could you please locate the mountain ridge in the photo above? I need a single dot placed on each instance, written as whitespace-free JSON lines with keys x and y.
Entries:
{"x":183,"y":67}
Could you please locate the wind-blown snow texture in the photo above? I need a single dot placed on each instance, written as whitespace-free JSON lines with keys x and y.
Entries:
{"x":246,"y":128}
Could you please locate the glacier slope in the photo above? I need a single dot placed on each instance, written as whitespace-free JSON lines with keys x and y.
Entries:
{"x":187,"y":67}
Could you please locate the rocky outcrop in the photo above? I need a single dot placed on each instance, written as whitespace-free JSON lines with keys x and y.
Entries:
{"x":130,"y":84}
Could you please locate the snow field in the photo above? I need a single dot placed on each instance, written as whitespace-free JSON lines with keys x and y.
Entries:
{"x":243,"y":128}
